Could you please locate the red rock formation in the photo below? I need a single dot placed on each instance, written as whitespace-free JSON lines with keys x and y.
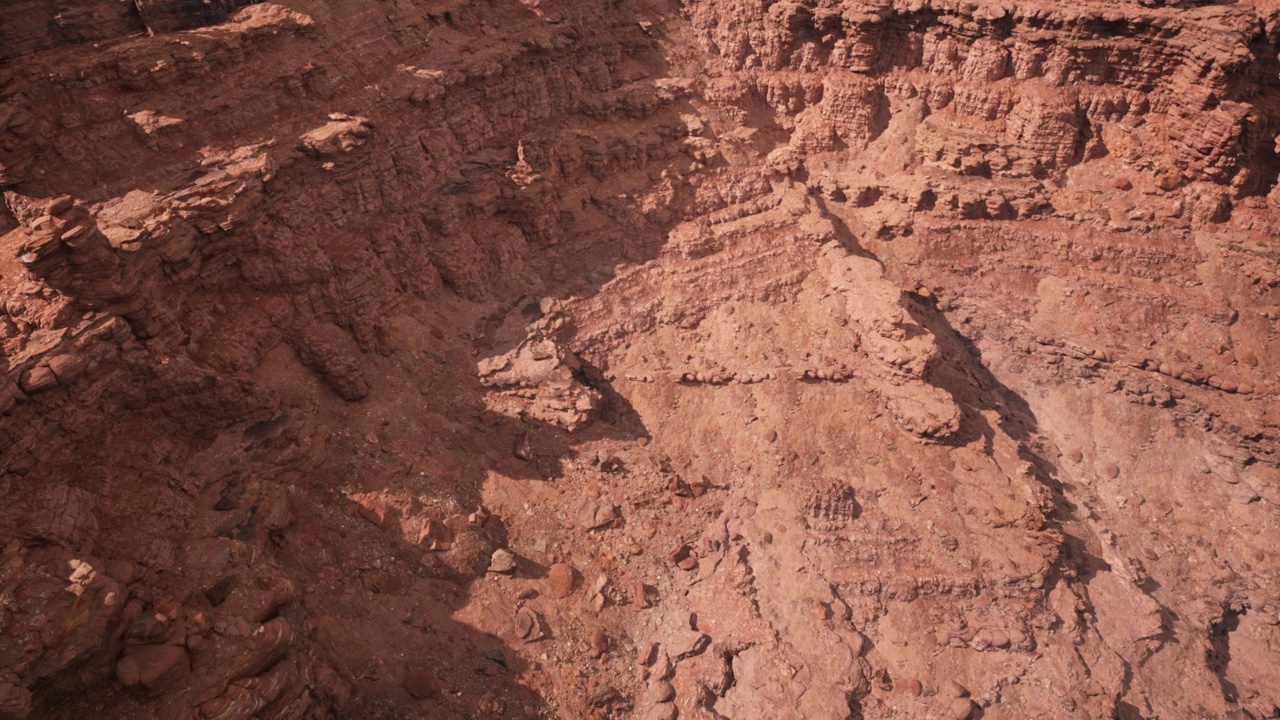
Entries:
{"x":549,"y":359}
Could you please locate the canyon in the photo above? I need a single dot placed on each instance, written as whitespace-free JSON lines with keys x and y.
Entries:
{"x":711,"y":359}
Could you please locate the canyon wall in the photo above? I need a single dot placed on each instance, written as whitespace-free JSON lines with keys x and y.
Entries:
{"x":417,"y":358}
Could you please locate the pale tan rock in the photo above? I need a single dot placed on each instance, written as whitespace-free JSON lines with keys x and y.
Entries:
{"x":661,"y":691}
{"x":961,"y":709}
{"x":502,"y":562}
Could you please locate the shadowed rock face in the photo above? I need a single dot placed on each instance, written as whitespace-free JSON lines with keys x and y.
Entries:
{"x":29,"y":26}
{"x":716,"y":360}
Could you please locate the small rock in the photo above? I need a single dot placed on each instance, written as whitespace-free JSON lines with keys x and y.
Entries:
{"x":942,"y":635}
{"x":597,"y":513}
{"x":1168,"y":183}
{"x":961,"y":708}
{"x":640,"y":595}
{"x":599,"y":642}
{"x":529,"y":625}
{"x":502,"y":562}
{"x":911,"y":687}
{"x":605,"y":696}
{"x":771,"y":436}
{"x":982,"y":640}
{"x":373,"y":506}
{"x":683,"y":558}
{"x":662,"y":711}
{"x":61,"y":204}
{"x":1111,"y":471}
{"x":989,"y":638}
{"x":560,"y":581}
{"x":1000,"y":639}
{"x":663,"y":668}
{"x":662,"y":691}
{"x":1075,"y":456}
{"x":16,"y":700}
{"x":421,"y":683}
{"x":490,"y":705}
{"x":953,"y":689}
{"x":1017,"y":638}
{"x":435,"y":536}
{"x":648,"y":654}
{"x":38,"y":378}
{"x":597,"y":586}
{"x":523,"y":447}
{"x":153,"y":666}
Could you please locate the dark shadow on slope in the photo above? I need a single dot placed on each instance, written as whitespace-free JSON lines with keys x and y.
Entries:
{"x":960,"y":370}
{"x":1218,"y":656}
{"x":369,"y":603}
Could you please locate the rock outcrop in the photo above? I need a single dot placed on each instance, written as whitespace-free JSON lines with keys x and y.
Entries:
{"x":893,"y":359}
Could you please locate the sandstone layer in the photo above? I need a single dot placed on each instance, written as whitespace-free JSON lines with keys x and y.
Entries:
{"x":797,"y":359}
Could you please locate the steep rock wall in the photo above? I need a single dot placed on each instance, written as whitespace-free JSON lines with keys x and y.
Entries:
{"x":918,"y":359}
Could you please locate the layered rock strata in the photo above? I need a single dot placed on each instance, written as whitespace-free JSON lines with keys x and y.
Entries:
{"x":723,"y":360}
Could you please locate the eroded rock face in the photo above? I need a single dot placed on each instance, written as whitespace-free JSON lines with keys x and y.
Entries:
{"x":538,"y":378}
{"x":717,"y":360}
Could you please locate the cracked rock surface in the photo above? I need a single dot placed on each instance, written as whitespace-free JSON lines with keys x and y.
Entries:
{"x":809,"y":359}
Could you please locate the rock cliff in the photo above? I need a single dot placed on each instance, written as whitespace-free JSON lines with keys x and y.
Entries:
{"x":798,"y":359}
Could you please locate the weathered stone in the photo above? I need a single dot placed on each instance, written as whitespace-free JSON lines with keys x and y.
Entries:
{"x":599,"y":642}
{"x":421,"y":682}
{"x":153,"y":666}
{"x":661,"y":691}
{"x":561,"y":580}
{"x":961,"y":709}
{"x":502,"y":562}
{"x":648,"y":654}
{"x":529,"y":625}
